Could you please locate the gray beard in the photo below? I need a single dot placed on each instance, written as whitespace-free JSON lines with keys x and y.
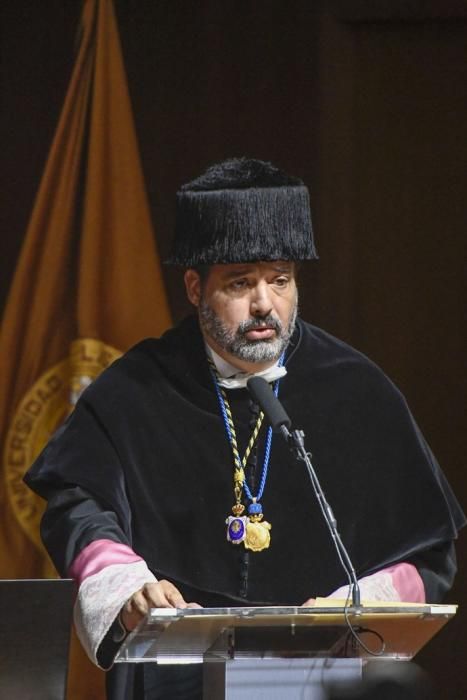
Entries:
{"x":235,"y":342}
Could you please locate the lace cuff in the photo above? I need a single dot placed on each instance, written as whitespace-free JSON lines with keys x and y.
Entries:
{"x":100,"y":599}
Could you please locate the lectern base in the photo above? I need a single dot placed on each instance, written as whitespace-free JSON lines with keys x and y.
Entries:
{"x":276,"y":679}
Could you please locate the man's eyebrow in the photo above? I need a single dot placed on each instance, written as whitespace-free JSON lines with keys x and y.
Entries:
{"x":241,"y":271}
{"x":237,"y":273}
{"x":284,"y":267}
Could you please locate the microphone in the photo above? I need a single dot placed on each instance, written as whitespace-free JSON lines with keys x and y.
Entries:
{"x":270,"y":405}
{"x":280,"y":422}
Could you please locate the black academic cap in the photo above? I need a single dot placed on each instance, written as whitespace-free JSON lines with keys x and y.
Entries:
{"x":242,"y":210}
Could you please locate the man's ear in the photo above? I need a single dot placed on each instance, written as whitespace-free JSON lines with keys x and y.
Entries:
{"x":192,"y":286}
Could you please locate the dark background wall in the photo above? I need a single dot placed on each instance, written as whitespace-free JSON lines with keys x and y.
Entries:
{"x":366,"y":101}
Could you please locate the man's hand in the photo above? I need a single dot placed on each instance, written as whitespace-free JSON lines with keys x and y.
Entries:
{"x":309,"y":603}
{"x":162,"y":594}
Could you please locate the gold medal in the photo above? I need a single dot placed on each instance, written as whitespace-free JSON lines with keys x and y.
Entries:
{"x":257,"y":535}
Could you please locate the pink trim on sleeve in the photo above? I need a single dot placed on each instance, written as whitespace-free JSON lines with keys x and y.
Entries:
{"x":99,"y":554}
{"x":407,"y":582}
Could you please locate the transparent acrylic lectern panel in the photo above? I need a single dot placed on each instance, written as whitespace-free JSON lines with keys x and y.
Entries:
{"x":188,"y":636}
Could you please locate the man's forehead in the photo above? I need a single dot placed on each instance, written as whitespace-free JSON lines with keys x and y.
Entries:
{"x":235,"y":269}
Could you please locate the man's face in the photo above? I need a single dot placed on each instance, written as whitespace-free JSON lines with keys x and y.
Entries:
{"x":247,"y":311}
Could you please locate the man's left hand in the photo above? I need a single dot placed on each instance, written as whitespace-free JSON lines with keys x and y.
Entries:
{"x":309,"y":603}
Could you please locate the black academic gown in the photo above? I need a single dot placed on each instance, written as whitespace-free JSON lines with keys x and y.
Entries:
{"x":147,"y":443}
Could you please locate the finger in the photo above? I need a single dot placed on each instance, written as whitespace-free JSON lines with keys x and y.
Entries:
{"x":133,"y":611}
{"x":154,"y":595}
{"x":176,"y":599}
{"x":137,"y":604}
{"x":194,"y":605}
{"x":309,"y":603}
{"x":163,"y":594}
{"x":173,"y":595}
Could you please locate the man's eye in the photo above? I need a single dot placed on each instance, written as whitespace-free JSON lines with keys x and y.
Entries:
{"x":281,"y":281}
{"x":238,"y":284}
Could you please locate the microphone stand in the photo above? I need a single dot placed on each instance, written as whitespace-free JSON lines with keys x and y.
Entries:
{"x":280,"y":422}
{"x":295,"y":440}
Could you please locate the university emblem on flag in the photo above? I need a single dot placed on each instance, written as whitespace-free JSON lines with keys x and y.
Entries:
{"x":41,"y":411}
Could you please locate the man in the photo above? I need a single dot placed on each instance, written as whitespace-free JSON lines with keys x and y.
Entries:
{"x":165,"y":488}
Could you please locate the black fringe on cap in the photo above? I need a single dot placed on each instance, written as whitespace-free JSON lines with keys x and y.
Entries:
{"x":242,"y":211}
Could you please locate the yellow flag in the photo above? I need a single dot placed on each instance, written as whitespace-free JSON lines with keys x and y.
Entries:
{"x":88,"y":283}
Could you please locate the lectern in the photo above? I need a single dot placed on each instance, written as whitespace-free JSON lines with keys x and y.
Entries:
{"x":291,"y":653}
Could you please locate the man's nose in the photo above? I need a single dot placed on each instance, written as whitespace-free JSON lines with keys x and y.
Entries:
{"x":261,"y":303}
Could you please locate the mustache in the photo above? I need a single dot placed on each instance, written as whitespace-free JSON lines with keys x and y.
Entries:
{"x":261,"y":322}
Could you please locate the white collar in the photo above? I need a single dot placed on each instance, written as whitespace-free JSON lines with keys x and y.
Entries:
{"x":231,"y":378}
